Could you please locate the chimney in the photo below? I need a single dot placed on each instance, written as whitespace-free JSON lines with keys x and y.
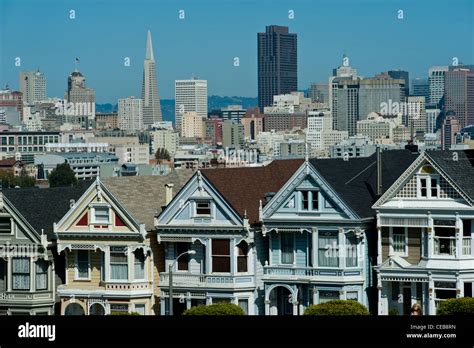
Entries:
{"x":379,"y":171}
{"x":168,"y":193}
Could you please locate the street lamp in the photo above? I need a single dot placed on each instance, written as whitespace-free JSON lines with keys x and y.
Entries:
{"x":170,"y":271}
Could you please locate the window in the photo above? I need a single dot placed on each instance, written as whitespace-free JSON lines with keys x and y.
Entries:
{"x":118,"y":308}
{"x":328,"y":295}
{"x":41,"y":275}
{"x":221,"y":255}
{"x":139,"y":264}
{"x":183,"y":261}
{"x":305,"y":200}
{"x":242,"y":251}
{"x":399,"y":242}
{"x":203,"y":208}
{"x":140,"y":309}
{"x":434,"y":187}
{"x":118,"y":266}
{"x":428,"y":186}
{"x":314,"y":200}
{"x":351,"y":251}
{"x":101,"y":215}
{"x":328,"y":255}
{"x":423,"y":187}
{"x":352,"y":295}
{"x":5,"y":225}
{"x":287,"y":247}
{"x":244,"y":304}
{"x":21,"y":273}
{"x":82,"y":264}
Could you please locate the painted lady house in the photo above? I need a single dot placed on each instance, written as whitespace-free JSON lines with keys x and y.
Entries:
{"x":319,"y":228}
{"x":107,"y":257}
{"x":209,"y":236}
{"x":425,"y":234}
{"x":29,"y":269}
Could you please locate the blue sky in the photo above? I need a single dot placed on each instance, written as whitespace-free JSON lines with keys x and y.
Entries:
{"x":215,"y":31}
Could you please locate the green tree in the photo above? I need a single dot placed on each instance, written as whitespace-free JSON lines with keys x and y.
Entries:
{"x":62,"y":175}
{"x":456,"y":306}
{"x":215,"y":309}
{"x":24,"y":180}
{"x":162,"y":154}
{"x":337,"y":307}
{"x":8,"y":179}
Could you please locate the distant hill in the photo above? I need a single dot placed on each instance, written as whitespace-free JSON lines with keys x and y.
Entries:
{"x":213,"y":102}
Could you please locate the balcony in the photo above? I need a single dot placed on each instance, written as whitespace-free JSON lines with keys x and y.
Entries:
{"x":309,"y":273}
{"x":187,"y":280}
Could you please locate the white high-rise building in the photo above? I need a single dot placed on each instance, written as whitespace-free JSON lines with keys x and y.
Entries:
{"x":190,"y":96}
{"x":320,"y":135}
{"x":33,"y":86}
{"x":130,"y":113}
{"x":150,"y":92}
{"x":431,"y":118}
{"x":436,"y":81}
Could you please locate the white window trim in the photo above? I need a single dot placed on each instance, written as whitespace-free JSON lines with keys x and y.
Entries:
{"x":129,"y":258}
{"x":76,"y":268}
{"x":428,"y":178}
{"x":92,"y":219}
{"x":211,"y":208}
{"x":338,"y":251}
{"x":392,"y":252}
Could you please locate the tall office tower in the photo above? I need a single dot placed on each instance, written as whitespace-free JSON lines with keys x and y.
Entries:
{"x":420,"y":88}
{"x":233,"y":135}
{"x":431,"y":119}
{"x":459,"y":94}
{"x":190,"y":96}
{"x":33,"y":86}
{"x":277,"y":64}
{"x":150,"y":92}
{"x":378,"y":90}
{"x":346,"y":104}
{"x":343,"y":72}
{"x":403,"y":75}
{"x":130,"y":114}
{"x":449,"y":129}
{"x":436,"y":81}
{"x":319,"y":93}
{"x":81,"y":100}
{"x":233,"y":112}
{"x":416,"y":114}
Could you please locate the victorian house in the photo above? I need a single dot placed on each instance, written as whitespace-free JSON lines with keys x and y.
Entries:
{"x":208,"y":232}
{"x":320,"y":231}
{"x":30,"y":269}
{"x":425,"y":234}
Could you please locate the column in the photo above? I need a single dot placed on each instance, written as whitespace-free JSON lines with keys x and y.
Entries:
{"x":131,"y":262}
{"x":459,"y":236}
{"x":32,"y":275}
{"x":431,"y":294}
{"x":413,"y":293}
{"x":9,"y":274}
{"x":430,"y":232}
{"x":379,"y":245}
{"x":209,"y":256}
{"x":314,"y":247}
{"x":107,"y":263}
{"x":342,"y":244}
{"x":233,"y":257}
{"x":459,"y":287}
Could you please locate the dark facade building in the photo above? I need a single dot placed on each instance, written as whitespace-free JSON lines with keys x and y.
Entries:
{"x":403,"y":75}
{"x":277,"y":64}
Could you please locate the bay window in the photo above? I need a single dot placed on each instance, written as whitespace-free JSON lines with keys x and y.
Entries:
{"x":118,"y":266}
{"x":82,"y":264}
{"x":41,"y":275}
{"x":139,"y":264}
{"x":287,"y":243}
{"x":242,"y":251}
{"x":328,"y":249}
{"x":221,"y":255}
{"x":21,"y":273}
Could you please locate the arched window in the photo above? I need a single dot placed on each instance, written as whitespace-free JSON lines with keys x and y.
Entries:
{"x":74,"y":309}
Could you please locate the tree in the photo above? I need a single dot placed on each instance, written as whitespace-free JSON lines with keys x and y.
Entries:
{"x":162,"y":154}
{"x":457,"y":306}
{"x":215,"y":309}
{"x":24,"y":180}
{"x":62,"y":175}
{"x":337,"y":307}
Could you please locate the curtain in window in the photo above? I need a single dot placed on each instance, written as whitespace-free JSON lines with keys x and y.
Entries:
{"x":41,"y":275}
{"x":139,"y":265}
{"x":328,"y":255}
{"x":351,"y":251}
{"x":118,"y":266}
{"x":287,"y":248}
{"x":21,"y":273}
{"x":83,"y":264}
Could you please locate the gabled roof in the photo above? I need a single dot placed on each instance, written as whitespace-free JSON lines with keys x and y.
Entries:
{"x":144,"y":196}
{"x":355,"y":180}
{"x":42,"y":207}
{"x":461,"y":171}
{"x":244,"y":188}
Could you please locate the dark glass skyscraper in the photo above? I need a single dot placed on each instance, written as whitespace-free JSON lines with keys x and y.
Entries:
{"x":401,"y":74}
{"x":277,"y":64}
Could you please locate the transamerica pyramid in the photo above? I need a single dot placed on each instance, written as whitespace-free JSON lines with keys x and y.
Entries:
{"x":150,"y":93}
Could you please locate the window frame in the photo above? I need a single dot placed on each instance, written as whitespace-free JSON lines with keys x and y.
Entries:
{"x":124,"y":253}
{"x":213,"y":255}
{"x":428,"y":178}
{"x":293,"y":241}
{"x":142,"y":263}
{"x":13,"y":274}
{"x":46,"y":273}
{"x":196,"y":208}
{"x":321,"y":247}
{"x":391,"y":242}
{"x":76,"y":265}
{"x":93,"y":215}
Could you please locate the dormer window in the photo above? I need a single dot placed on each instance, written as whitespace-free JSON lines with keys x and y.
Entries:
{"x":203,"y":208}
{"x":428,"y":183}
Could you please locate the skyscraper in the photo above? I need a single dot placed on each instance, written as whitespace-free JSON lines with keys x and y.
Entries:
{"x":190,"y":96}
{"x":150,"y":93}
{"x":448,"y":131}
{"x":459,"y":94}
{"x":436,"y":81}
{"x":81,"y":100}
{"x":277,"y":64}
{"x":401,"y":74}
{"x":420,"y":88}
{"x":130,"y":114}
{"x":33,"y":86}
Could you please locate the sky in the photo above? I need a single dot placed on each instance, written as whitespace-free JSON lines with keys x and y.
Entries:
{"x":214,"y":32}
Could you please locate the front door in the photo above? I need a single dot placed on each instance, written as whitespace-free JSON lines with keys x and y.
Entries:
{"x":285,"y":301}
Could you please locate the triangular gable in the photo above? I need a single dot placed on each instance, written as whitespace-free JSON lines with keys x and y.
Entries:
{"x":80,"y":217}
{"x":406,"y":185}
{"x":307,"y":177}
{"x":181,"y":211}
{"x":24,"y":231}
{"x":395,"y":262}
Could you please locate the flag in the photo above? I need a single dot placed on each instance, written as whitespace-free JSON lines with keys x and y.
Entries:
{"x":77,"y":60}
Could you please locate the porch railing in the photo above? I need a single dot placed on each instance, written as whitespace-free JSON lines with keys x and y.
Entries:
{"x":207,"y":280}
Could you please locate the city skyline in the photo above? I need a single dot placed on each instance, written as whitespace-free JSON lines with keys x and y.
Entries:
{"x":192,"y":46}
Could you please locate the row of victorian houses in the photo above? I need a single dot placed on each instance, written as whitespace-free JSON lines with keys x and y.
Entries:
{"x":389,"y":231}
